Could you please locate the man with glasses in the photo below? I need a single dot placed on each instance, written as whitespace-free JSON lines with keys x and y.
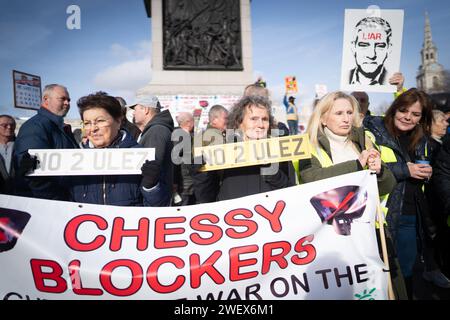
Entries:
{"x":45,"y":130}
{"x":7,"y":137}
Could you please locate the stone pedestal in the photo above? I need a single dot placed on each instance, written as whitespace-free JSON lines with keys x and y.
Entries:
{"x":202,"y":82}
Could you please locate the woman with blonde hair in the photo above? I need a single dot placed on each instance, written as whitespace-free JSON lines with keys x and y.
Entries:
{"x":339,"y":143}
{"x":339,"y":146}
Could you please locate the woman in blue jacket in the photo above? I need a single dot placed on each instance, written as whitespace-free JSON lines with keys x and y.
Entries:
{"x":102,"y":115}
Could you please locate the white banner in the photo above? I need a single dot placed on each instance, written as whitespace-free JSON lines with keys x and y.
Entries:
{"x":83,"y":162}
{"x":314,"y":241}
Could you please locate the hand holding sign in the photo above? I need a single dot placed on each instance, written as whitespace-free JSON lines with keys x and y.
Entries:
{"x":397,"y":80}
{"x":82,"y":162}
{"x":28,"y":163}
{"x":150,"y":173}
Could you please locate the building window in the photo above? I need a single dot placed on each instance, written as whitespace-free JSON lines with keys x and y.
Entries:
{"x":431,"y":56}
{"x":435,"y":82}
{"x":426,"y":56}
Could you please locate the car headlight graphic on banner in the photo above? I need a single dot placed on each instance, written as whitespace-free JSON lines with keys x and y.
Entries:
{"x":12,"y":223}
{"x":339,"y":207}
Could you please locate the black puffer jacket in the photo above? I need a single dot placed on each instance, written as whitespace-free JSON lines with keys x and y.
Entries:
{"x":206,"y":184}
{"x":158,"y":134}
{"x":399,"y":169}
{"x":245,"y":181}
{"x":441,"y":178}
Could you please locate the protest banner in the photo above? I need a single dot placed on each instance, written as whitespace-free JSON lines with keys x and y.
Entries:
{"x":255,"y":152}
{"x":291,"y":85}
{"x":371,"y":49}
{"x":197,"y":104}
{"x":312,"y":241}
{"x":83,"y":162}
{"x":27,"y":90}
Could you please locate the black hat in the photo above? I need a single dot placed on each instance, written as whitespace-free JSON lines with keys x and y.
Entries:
{"x":442,"y":101}
{"x":291,"y":98}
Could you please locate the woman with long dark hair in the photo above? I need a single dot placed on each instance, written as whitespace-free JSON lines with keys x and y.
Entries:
{"x":403,"y":137}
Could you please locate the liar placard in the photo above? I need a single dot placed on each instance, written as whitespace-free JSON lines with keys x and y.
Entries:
{"x":82,"y":162}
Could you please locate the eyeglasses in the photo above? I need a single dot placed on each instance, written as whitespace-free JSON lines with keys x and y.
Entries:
{"x":99,"y":123}
{"x":6,"y":125}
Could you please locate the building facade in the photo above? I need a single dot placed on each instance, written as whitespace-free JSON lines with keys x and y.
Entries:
{"x":431,"y":75}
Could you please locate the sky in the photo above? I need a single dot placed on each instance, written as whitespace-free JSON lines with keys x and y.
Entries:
{"x":112,"y":49}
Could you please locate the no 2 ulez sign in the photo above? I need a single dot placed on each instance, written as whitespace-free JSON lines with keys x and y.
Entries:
{"x":76,"y":162}
{"x":255,"y":152}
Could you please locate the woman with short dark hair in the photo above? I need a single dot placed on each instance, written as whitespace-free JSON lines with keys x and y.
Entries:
{"x":102,"y":117}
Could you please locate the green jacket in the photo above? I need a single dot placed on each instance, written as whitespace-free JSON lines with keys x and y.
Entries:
{"x":314,"y":169}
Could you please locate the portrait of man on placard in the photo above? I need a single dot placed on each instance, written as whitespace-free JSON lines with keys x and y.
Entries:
{"x":371,"y":52}
{"x":371,"y":48}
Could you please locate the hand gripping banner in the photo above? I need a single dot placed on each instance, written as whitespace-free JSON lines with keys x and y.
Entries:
{"x":313,"y":241}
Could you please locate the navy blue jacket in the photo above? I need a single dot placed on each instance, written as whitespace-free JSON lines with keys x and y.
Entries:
{"x":45,"y":130}
{"x":400,"y":168}
{"x":117,"y":190}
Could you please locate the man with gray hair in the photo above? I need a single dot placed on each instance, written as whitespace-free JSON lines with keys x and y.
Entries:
{"x":182,"y":137}
{"x":371,"y":48}
{"x":45,"y":130}
{"x":218,"y":117}
{"x":156,"y":127}
{"x":7,"y":137}
{"x":206,"y":183}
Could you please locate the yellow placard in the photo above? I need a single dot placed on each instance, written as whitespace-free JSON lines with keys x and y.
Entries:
{"x":291,"y":85}
{"x":255,"y":152}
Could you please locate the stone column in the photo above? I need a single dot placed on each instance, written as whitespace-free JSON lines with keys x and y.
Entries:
{"x":197,"y":82}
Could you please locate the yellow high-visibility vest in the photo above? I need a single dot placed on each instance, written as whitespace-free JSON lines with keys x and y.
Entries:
{"x":387,"y":156}
{"x":321,"y":155}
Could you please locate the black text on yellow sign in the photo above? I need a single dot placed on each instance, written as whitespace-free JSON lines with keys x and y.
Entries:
{"x":255,"y":152}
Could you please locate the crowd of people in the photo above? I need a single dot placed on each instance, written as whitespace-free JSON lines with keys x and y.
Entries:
{"x":408,"y":149}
